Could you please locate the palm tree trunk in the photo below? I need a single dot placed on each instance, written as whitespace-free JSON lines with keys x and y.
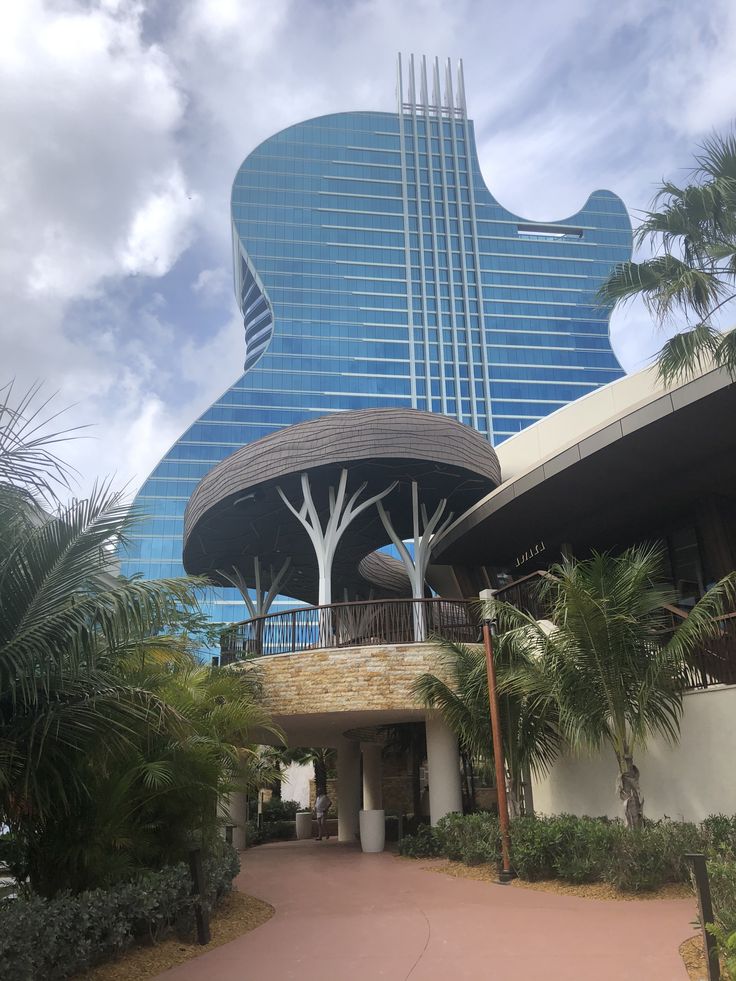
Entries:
{"x":512,"y":795}
{"x":630,"y":793}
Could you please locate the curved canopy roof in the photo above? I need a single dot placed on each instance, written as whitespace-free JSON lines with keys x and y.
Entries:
{"x":236,"y":512}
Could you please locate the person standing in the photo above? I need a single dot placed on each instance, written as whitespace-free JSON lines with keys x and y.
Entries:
{"x":321,"y":807}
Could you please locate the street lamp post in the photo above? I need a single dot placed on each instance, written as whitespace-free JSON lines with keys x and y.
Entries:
{"x":503,"y":810}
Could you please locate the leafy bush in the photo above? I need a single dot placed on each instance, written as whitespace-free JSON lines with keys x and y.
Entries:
{"x":480,"y":841}
{"x":726,"y":948}
{"x":280,"y":810}
{"x":722,"y":877}
{"x":719,"y":833}
{"x":423,"y":844}
{"x":534,"y":846}
{"x":450,"y":833}
{"x":677,"y":839}
{"x":268,"y":831}
{"x":581,"y":848}
{"x":635,"y":862}
{"x":53,"y":939}
{"x":469,"y":838}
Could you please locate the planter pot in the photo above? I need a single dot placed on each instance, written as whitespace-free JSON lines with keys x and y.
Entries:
{"x":303,"y":825}
{"x":372,"y":830}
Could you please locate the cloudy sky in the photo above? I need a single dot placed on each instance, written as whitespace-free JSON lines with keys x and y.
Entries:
{"x":123,"y":124}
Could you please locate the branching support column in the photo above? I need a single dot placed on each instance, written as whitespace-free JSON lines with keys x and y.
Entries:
{"x":426,"y":534}
{"x":259,"y":605}
{"x":343,"y":511}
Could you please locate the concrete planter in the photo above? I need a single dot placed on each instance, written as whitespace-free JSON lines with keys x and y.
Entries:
{"x":303,"y":825}
{"x":372,"y":830}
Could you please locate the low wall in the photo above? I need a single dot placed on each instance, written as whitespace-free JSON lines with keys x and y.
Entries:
{"x":687,"y":781}
{"x":343,"y":679}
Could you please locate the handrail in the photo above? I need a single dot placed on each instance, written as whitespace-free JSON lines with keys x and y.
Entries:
{"x":366,"y":623}
{"x":537,"y":574}
{"x":332,"y":606}
{"x":683,"y":614}
{"x":351,"y":624}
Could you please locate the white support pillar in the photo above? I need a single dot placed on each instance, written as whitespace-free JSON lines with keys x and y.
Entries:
{"x":325,"y":540}
{"x":427,"y":531}
{"x":372,"y":776}
{"x":348,"y":789}
{"x":443,"y":761}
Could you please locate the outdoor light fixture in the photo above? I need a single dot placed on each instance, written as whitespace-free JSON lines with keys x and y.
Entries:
{"x":489,"y":630}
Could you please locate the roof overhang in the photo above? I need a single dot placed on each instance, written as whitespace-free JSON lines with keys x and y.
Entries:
{"x":619,"y":483}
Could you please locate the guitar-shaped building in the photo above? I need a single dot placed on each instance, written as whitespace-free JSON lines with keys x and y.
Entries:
{"x":374,"y":268}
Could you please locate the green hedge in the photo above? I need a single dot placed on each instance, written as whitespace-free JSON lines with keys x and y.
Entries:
{"x":269,"y":831}
{"x":579,"y":849}
{"x":280,"y":810}
{"x":53,"y":939}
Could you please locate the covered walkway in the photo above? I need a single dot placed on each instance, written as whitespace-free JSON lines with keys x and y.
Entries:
{"x":345,"y":916}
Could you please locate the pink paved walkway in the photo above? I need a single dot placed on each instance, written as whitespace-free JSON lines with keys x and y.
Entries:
{"x":345,"y":916}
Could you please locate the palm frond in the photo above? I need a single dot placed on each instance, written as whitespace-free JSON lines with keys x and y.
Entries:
{"x":688,"y":353}
{"x":27,"y":435}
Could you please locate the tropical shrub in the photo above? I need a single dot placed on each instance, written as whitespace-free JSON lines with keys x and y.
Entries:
{"x":534,"y":845}
{"x":575,"y":849}
{"x":424,"y":844}
{"x":57,"y":938}
{"x":582,"y":848}
{"x":280,"y":810}
{"x":116,"y":741}
{"x":268,"y":831}
{"x":719,"y":832}
{"x":722,"y":876}
{"x":635,"y":863}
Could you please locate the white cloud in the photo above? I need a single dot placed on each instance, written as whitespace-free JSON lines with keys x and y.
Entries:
{"x":213,"y":283}
{"x":124,"y":122}
{"x":160,"y":229}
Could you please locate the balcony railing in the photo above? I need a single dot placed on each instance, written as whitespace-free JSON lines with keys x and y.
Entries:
{"x":367,"y":623}
{"x":372,"y":623}
{"x":714,"y":661}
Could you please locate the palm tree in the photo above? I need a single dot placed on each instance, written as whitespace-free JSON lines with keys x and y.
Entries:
{"x":150,"y":800}
{"x":68,"y":622}
{"x":692,"y":272}
{"x":530,"y":735}
{"x":612,"y":666}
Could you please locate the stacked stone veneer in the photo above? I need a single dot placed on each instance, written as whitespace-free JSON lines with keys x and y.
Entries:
{"x":345,"y":679}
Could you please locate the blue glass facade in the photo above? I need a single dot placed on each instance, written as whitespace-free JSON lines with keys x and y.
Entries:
{"x":374,"y":268}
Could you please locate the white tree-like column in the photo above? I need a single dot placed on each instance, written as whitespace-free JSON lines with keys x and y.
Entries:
{"x":426,"y":535}
{"x":342,"y":511}
{"x":259,"y":605}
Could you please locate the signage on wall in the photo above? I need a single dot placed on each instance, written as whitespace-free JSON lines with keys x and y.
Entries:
{"x":530,"y":553}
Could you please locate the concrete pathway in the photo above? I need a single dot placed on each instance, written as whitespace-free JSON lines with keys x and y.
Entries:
{"x":345,"y":916}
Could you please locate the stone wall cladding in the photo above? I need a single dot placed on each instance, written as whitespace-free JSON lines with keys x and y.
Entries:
{"x":345,"y":679}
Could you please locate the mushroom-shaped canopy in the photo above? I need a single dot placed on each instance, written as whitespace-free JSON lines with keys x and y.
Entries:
{"x":236,"y":511}
{"x":385,"y":574}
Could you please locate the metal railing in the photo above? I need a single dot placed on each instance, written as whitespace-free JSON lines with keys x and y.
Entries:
{"x":371,"y":623}
{"x":523,"y":593}
{"x":714,"y":661}
{"x":362,"y":624}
